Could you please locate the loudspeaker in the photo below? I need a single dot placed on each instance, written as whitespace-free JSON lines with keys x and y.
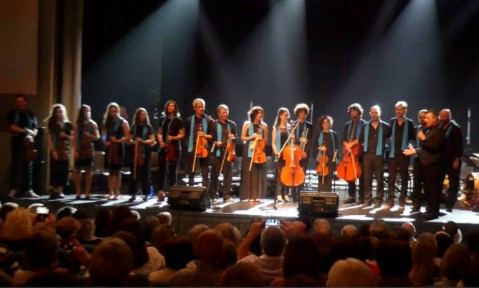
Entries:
{"x":188,"y":198}
{"x":318,"y":204}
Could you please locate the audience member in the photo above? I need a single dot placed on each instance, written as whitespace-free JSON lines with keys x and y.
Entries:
{"x":242,"y":274}
{"x":350,"y":272}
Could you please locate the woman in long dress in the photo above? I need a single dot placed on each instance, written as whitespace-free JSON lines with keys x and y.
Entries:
{"x":254,"y":184}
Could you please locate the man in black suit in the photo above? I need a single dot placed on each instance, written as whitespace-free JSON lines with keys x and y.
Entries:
{"x":430,"y":156}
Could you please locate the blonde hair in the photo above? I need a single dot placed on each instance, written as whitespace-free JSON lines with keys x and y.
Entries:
{"x":18,"y":225}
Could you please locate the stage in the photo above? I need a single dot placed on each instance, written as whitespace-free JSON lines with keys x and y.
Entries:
{"x":240,"y":213}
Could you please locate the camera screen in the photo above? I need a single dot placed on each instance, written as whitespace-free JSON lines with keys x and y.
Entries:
{"x":271,"y":221}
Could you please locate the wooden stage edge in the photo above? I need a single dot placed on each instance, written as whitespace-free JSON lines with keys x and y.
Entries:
{"x":240,"y":213}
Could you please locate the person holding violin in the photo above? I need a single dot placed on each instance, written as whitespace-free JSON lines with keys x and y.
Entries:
{"x":85,"y":131}
{"x":199,"y":128}
{"x":22,"y":124}
{"x":115,"y":133}
{"x":280,"y":134}
{"x":402,"y":134}
{"x":326,"y":145}
{"x":349,"y":139}
{"x":170,"y":132}
{"x":303,"y":138}
{"x":373,"y":142}
{"x":59,"y":134}
{"x":224,"y":154}
{"x":253,"y":173}
{"x":142,"y":137}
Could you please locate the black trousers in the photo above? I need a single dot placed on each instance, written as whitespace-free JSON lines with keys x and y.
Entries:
{"x":400,"y":163}
{"x":227,"y":176}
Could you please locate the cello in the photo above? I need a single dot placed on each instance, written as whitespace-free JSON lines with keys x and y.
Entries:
{"x":349,"y":168}
{"x":322,"y":168}
{"x":292,"y":173}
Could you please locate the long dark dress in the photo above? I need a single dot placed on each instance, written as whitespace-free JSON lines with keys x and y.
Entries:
{"x":254,"y":184}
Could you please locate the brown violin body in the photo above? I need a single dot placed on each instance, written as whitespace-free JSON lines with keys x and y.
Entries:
{"x":139,"y":160}
{"x":349,"y":168}
{"x":292,"y":173}
{"x":259,"y":155}
{"x":62,"y":150}
{"x":201,"y":149}
{"x":113,"y":152}
{"x":31,"y":153}
{"x":171,"y":153}
{"x":86,"y":149}
{"x":322,"y":168}
{"x":231,"y":150}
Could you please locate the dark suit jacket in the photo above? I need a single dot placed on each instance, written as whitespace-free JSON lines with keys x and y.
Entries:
{"x":432,"y":148}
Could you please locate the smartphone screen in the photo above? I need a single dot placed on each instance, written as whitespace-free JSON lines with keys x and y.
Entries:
{"x":271,"y":221}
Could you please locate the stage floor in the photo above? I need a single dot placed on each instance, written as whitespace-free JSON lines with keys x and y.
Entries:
{"x":240,"y":213}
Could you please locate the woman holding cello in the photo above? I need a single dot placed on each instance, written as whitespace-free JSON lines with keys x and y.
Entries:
{"x":253,"y":173}
{"x":142,"y":137}
{"x":280,"y":134}
{"x":327,"y":146}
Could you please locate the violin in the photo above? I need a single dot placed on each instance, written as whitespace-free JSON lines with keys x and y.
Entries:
{"x":138,"y":158}
{"x":31,"y":153}
{"x":231,"y":150}
{"x":62,"y":148}
{"x":86,"y":150}
{"x":113,"y":152}
{"x":259,"y":155}
{"x":171,"y":153}
{"x":201,"y":150}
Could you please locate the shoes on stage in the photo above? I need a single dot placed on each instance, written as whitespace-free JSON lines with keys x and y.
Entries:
{"x":279,"y":198}
{"x":132,"y":198}
{"x":366,"y":204}
{"x":161,"y":196}
{"x":250,"y":200}
{"x":12,"y":193}
{"x":31,"y":194}
{"x":116,"y":197}
{"x":111,"y":197}
{"x":430,"y":216}
{"x":377,"y":204}
{"x":78,"y":197}
{"x":415,"y":209}
{"x":145,"y":198}
{"x":61,"y":195}
{"x":360,"y":201}
{"x":54,"y":196}
{"x":449,"y":209}
{"x":228,"y":200}
{"x":286,"y":198}
{"x":350,"y":200}
{"x":401,"y":208}
{"x":257,"y":200}
{"x":87,"y":197}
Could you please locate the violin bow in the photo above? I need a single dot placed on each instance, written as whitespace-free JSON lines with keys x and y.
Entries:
{"x":196,"y":154}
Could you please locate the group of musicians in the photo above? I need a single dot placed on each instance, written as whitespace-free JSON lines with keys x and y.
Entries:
{"x":434,"y":147}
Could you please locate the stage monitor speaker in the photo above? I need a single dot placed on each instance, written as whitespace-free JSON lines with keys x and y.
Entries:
{"x":188,"y":198}
{"x":318,"y":204}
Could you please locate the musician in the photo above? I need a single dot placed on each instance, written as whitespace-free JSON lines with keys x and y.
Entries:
{"x":452,"y":155}
{"x":197,"y":126}
{"x":225,"y":133}
{"x":280,"y":133}
{"x":115,"y":133}
{"x":418,"y":175}
{"x":373,"y":141}
{"x":303,"y":138}
{"x":170,"y":133}
{"x":349,"y":139}
{"x":85,"y":131}
{"x":430,"y":157}
{"x":326,"y":145}
{"x":59,"y":135}
{"x":142,"y":137}
{"x":402,"y":134}
{"x":21,"y":123}
{"x":253,"y":175}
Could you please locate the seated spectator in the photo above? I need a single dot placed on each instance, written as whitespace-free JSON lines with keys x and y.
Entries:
{"x":349,"y":231}
{"x":41,"y":256}
{"x":350,"y":272}
{"x":411,"y":229}
{"x":178,"y":252}
{"x":394,"y":260}
{"x":453,"y":266}
{"x":451,"y":228}
{"x":229,"y":232}
{"x":270,"y":263}
{"x":111,"y":263}
{"x":65,"y":211}
{"x":86,"y":234}
{"x":165,"y":218}
{"x":472,"y":240}
{"x":379,"y":229}
{"x":209,"y":250}
{"x":242,"y":274}
{"x":424,"y":269}
{"x":102,"y":222}
{"x":17,"y":229}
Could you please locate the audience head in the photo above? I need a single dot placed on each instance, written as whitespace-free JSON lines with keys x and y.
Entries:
{"x":455,"y":262}
{"x":195,"y":231}
{"x":228,"y":232}
{"x":67,"y":228}
{"x":18,"y":225}
{"x":40,"y":250}
{"x":272,"y":241}
{"x":242,"y":274}
{"x":165,"y":218}
{"x":393,"y":258}
{"x":65,"y":211}
{"x":301,"y":256}
{"x":379,"y":229}
{"x":103,"y":220}
{"x":178,"y":252}
{"x":350,"y":272}
{"x":349,"y":231}
{"x":411,"y":229}
{"x":209,"y":247}
{"x":111,"y":263}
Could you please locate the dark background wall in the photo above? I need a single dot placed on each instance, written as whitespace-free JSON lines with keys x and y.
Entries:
{"x":279,"y":53}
